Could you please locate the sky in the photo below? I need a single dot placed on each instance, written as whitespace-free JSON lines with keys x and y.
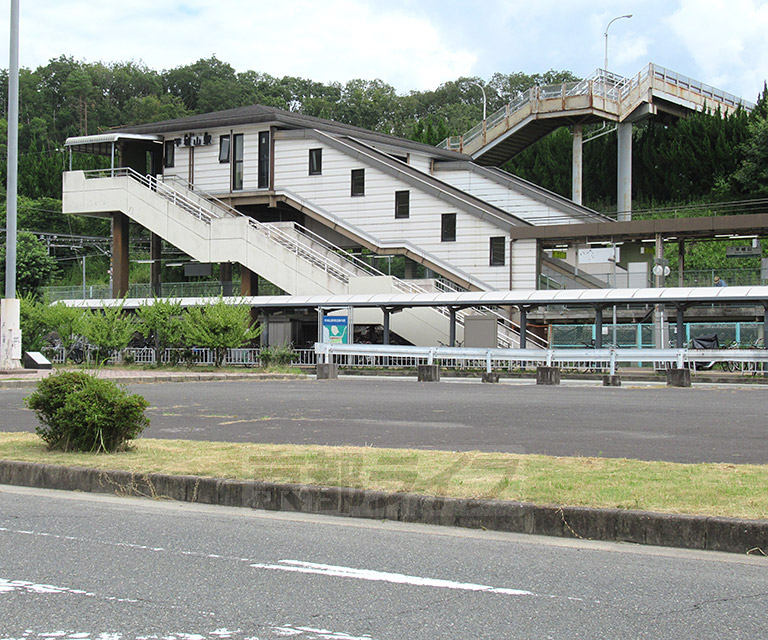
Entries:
{"x":409,"y":44}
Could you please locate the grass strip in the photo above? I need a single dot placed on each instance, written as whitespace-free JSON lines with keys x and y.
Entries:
{"x":701,"y":489}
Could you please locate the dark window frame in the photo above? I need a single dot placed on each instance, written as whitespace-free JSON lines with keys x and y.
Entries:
{"x":402,"y":204}
{"x":237,"y":155}
{"x":497,"y":251}
{"x":264,"y":168}
{"x":225,"y":148}
{"x":316,"y":162}
{"x":357,"y":183}
{"x":169,"y":153}
{"x":448,"y":227}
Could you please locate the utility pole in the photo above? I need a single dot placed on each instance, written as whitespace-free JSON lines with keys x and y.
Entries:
{"x":10,"y":311}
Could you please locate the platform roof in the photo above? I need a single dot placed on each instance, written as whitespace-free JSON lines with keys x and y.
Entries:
{"x":757,"y":295}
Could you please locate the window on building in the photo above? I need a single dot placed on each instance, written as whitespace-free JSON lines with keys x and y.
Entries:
{"x":237,"y":162}
{"x":265,"y":152}
{"x":402,"y":204}
{"x":224,"y":148}
{"x":358,"y":182}
{"x":169,"y":153}
{"x":498,"y":251}
{"x":448,"y":227}
{"x":315,"y":162}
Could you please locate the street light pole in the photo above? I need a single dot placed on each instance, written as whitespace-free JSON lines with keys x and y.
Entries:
{"x":10,"y":310}
{"x":629,"y":15}
{"x":485,"y":103}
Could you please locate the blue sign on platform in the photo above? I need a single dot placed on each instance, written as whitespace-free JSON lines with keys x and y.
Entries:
{"x":336,"y":329}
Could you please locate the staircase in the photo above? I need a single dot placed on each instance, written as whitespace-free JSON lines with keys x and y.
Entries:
{"x":287,"y":254}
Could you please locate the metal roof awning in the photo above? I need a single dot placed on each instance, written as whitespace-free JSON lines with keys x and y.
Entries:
{"x":102,"y":144}
{"x":757,"y":295}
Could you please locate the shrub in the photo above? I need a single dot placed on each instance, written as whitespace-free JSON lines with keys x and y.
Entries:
{"x":81,"y":412}
{"x":280,"y":356}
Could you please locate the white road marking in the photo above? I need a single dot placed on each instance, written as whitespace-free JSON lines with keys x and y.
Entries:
{"x":9,"y":586}
{"x":381,"y":576}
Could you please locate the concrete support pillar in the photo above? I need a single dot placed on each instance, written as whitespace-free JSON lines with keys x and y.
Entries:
{"x":680,"y":340}
{"x":452,"y":328}
{"x":155,"y":253}
{"x":428,"y":373}
{"x":120,"y":262}
{"x":225,"y":278}
{"x":523,"y":326}
{"x":328,"y":371}
{"x":598,"y":327}
{"x":624,"y":185}
{"x":249,"y":282}
{"x":548,"y":376}
{"x":678,"y":377}
{"x":387,"y":314}
{"x":249,"y":286}
{"x":577,"y":166}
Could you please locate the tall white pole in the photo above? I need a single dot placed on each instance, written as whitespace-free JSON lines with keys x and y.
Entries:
{"x":10,"y":313}
{"x":13,"y":155}
{"x":629,"y":15}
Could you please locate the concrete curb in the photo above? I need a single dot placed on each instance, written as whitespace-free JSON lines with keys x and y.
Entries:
{"x":185,"y":377}
{"x":641,"y":527}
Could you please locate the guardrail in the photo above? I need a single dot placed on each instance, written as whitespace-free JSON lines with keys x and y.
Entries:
{"x":577,"y":359}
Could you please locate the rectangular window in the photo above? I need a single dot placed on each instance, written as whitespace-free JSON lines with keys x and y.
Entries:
{"x":263,"y":172}
{"x":224,"y":148}
{"x":498,"y":251}
{"x":448,"y":227}
{"x":315,"y":162}
{"x":402,"y":204}
{"x":169,"y":153}
{"x":237,"y":162}
{"x":358,"y":182}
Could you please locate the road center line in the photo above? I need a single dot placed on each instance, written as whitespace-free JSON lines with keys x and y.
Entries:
{"x":381,"y":576}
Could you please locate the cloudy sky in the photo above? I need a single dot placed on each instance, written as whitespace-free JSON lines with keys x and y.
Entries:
{"x":410,"y":44}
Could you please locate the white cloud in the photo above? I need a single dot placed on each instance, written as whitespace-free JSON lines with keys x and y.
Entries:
{"x":726,"y":38}
{"x":335,"y":40}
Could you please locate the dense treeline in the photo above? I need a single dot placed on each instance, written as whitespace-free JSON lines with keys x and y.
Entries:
{"x":691,"y":159}
{"x":704,"y":158}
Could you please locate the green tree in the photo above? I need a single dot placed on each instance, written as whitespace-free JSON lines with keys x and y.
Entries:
{"x":162,"y":323}
{"x":67,"y":323}
{"x":109,"y":329}
{"x":34,"y":267}
{"x":219,"y":326}
{"x":34,"y":323}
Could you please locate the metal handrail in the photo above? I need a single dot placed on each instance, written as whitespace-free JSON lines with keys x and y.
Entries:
{"x":606,"y":358}
{"x":172,"y":195}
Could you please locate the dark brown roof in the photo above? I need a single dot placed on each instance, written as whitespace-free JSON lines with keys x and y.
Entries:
{"x":255,"y":114}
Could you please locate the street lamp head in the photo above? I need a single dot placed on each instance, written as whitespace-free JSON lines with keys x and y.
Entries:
{"x":628,"y":15}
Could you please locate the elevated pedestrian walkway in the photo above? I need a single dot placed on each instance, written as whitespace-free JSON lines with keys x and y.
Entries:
{"x":604,"y":96}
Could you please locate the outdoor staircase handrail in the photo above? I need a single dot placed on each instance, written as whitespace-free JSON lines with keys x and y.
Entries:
{"x":168,"y":193}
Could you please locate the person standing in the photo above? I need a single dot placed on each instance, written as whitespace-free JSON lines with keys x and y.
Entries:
{"x":719,"y":282}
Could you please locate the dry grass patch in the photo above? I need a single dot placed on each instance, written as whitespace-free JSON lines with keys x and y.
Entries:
{"x":707,"y":489}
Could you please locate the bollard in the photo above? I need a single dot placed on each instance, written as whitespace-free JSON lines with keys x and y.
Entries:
{"x":490,"y":377}
{"x":548,"y":375}
{"x":327,"y":371}
{"x":611,"y":380}
{"x":678,"y":377}
{"x":429,"y":373}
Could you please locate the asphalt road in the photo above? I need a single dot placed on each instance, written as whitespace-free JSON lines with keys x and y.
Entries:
{"x":88,"y":567}
{"x":703,"y":424}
